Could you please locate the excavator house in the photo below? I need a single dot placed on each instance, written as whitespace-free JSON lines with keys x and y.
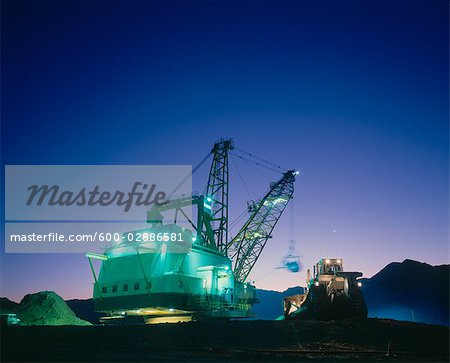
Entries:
{"x":147,"y":282}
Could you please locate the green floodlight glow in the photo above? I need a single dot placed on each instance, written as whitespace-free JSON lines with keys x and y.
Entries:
{"x":275,"y":201}
{"x":207,"y":204}
{"x":96,"y":256}
{"x":194,"y":239}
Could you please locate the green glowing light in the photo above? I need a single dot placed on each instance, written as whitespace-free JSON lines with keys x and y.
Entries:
{"x":96,"y":256}
{"x":275,"y":201}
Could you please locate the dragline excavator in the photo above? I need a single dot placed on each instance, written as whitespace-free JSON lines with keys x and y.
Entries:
{"x":147,"y":283}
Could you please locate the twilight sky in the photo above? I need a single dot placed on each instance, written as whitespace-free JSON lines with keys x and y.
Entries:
{"x":352,"y":93}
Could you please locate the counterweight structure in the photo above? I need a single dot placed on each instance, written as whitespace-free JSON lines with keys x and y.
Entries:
{"x":146,"y":282}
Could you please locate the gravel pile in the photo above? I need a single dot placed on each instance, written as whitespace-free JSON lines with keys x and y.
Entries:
{"x":47,"y":308}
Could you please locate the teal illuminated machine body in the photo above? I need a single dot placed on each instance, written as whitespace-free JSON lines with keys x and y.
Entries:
{"x":175,"y":273}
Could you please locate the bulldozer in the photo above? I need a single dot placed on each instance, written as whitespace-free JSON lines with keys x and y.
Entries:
{"x":331,"y":294}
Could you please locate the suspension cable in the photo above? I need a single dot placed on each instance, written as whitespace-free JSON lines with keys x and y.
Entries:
{"x":238,"y":219}
{"x":256,"y":169}
{"x":292,"y":220}
{"x":240,"y":177}
{"x":261,"y":159}
{"x":189,"y":175}
{"x":259,"y":164}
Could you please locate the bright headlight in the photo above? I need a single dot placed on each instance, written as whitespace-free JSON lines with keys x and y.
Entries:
{"x":359,"y":284}
{"x":316,"y":283}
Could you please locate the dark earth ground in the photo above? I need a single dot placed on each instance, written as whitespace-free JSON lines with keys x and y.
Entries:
{"x":349,"y":341}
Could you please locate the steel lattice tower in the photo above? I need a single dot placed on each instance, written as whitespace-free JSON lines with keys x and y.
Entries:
{"x":217,"y":193}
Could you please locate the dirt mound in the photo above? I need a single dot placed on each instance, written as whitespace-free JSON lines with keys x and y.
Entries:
{"x":47,"y":308}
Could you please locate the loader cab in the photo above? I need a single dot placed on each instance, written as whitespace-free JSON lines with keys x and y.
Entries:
{"x":328,"y":266}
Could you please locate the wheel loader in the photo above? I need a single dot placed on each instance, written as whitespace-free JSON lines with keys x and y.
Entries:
{"x":331,"y":294}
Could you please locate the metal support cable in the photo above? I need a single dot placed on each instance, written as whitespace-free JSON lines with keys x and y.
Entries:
{"x":240,"y":177}
{"x":238,"y":219}
{"x":257,"y":170}
{"x":188,"y":176}
{"x":261,"y":159}
{"x":259,"y":164}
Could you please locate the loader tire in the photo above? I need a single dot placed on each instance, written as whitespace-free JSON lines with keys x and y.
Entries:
{"x":358,"y":305}
{"x":319,"y":303}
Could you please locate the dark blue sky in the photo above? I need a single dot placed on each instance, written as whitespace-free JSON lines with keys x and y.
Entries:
{"x":354,"y":94}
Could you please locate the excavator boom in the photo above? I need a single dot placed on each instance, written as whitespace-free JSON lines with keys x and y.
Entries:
{"x":248,"y":244}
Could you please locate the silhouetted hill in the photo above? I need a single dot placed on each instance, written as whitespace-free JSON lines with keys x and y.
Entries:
{"x":84,"y":309}
{"x":8,"y":306}
{"x":410,"y":291}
